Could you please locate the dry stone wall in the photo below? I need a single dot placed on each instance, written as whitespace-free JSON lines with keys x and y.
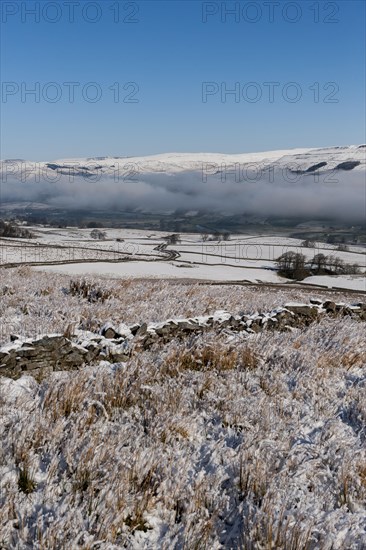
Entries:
{"x":116,"y":344}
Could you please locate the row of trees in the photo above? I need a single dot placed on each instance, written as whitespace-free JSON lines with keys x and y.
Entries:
{"x":295,"y":266}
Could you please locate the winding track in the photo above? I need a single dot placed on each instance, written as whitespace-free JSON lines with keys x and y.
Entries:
{"x":165,"y":255}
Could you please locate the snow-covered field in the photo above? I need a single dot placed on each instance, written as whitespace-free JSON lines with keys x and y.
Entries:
{"x":216,"y":441}
{"x":355,"y":282}
{"x":133,"y":254}
{"x":167,"y":270}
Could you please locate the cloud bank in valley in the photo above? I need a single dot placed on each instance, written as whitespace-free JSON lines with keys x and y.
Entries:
{"x":272,"y":192}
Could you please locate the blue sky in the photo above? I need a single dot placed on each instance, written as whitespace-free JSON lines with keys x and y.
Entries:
{"x":169,"y":50}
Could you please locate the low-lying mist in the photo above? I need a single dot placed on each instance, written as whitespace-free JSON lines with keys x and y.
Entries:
{"x":339,"y":196}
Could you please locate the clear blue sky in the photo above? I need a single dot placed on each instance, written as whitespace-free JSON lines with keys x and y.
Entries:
{"x":169,"y":52}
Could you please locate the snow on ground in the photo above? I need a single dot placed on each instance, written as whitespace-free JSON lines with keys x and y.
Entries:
{"x":170,"y":163}
{"x":267,"y":249}
{"x":38,"y":302}
{"x":164,"y":270}
{"x":214,"y":442}
{"x":243,"y":257}
{"x":355,"y":282}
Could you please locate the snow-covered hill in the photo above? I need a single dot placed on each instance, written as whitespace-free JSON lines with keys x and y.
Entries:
{"x":299,"y":183}
{"x":307,"y":160}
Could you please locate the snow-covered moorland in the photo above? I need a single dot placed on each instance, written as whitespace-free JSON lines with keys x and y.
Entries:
{"x":216,"y":440}
{"x":37,"y":303}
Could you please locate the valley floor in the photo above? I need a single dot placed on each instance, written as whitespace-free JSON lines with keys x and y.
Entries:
{"x":131,"y":254}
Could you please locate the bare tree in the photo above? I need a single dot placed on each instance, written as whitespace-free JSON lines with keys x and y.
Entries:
{"x":319,"y":263}
{"x":174,"y":238}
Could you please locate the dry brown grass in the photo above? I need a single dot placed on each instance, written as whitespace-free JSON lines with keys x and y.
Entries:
{"x":249,"y":358}
{"x":130,"y":301}
{"x":211,"y":357}
{"x":64,"y":399}
{"x":347,"y":360}
{"x":253,"y":478}
{"x":174,"y":431}
{"x":89,"y":291}
{"x":361,"y":470}
{"x":26,"y":481}
{"x":208,"y":442}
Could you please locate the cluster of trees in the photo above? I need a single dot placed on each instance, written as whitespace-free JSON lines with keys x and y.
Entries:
{"x":98,"y":235}
{"x":295,"y":266}
{"x":216,"y":236}
{"x":8,"y":229}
